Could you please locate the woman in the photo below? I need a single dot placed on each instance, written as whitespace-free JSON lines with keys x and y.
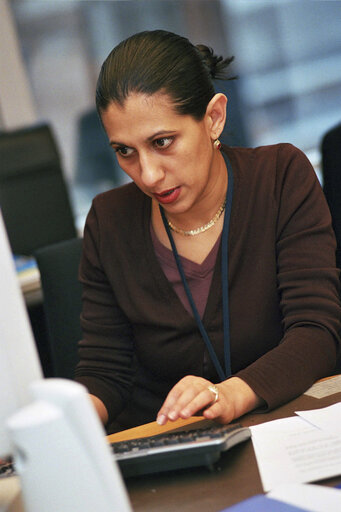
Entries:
{"x":210,"y":283}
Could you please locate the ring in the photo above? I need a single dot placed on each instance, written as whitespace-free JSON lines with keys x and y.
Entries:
{"x":215,"y":391}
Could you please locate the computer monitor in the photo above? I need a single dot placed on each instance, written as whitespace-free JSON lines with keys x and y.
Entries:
{"x":49,"y":425}
{"x":19,"y":361}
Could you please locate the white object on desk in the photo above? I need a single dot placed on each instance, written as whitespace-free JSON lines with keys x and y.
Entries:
{"x":327,"y":419}
{"x":314,"y":498}
{"x":19,"y":362}
{"x":291,"y":450}
{"x":57,"y":441}
{"x":325,"y":387}
{"x":61,"y":454}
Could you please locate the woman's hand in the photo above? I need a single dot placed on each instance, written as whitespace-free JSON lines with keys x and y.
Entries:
{"x":192,"y":395}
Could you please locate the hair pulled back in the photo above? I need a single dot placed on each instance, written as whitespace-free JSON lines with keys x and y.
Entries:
{"x":160,"y":61}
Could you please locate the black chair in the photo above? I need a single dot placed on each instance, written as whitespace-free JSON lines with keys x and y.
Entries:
{"x":331,"y":173}
{"x":58,"y":265}
{"x":33,"y":194}
{"x":96,"y":161}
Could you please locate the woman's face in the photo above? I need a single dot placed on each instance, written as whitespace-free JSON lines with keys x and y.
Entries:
{"x":169,"y":156}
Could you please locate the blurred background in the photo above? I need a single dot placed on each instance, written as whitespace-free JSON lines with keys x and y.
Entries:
{"x":287,"y":57}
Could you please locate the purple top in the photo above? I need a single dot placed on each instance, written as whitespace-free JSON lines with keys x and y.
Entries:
{"x":198,"y":276}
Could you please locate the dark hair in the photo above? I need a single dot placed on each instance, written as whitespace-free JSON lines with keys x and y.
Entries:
{"x":160,"y":61}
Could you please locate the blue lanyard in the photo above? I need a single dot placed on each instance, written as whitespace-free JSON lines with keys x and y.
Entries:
{"x":224,"y":277}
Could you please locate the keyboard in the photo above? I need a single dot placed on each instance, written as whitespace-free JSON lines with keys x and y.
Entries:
{"x":177,"y":450}
{"x":169,"y":451}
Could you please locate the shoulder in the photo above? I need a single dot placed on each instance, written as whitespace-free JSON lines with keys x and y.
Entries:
{"x":273,"y":164}
{"x":272,"y":179}
{"x":266,"y":156}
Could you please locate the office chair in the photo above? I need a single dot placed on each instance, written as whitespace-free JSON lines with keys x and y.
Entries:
{"x":331,"y":173}
{"x":96,"y":161}
{"x":33,"y":195}
{"x":58,"y":266}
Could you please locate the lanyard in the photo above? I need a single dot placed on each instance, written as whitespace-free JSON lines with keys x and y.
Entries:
{"x":224,"y":277}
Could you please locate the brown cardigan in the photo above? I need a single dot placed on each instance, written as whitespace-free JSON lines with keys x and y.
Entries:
{"x":283,"y":290}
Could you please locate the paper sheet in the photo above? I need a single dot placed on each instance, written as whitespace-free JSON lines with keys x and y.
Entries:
{"x":327,"y":419}
{"x":291,"y":450}
{"x":325,"y":388}
{"x":314,"y":498}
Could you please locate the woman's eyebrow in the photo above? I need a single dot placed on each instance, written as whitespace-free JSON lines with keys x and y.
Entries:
{"x":161,"y":132}
{"x":150,"y":138}
{"x":114,"y":143}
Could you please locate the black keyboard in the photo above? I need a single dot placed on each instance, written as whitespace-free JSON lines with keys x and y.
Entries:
{"x":177,"y":450}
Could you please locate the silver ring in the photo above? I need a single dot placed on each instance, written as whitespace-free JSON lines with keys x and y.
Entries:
{"x":215,"y":391}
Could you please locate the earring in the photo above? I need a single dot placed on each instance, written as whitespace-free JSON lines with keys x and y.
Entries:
{"x":217,"y":144}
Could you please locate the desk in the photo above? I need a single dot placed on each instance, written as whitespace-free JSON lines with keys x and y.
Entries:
{"x":234,"y":478}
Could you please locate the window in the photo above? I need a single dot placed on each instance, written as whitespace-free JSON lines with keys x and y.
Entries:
{"x":287,"y":56}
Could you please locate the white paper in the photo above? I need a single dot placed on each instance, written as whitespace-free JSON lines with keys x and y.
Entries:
{"x":315,"y":498}
{"x":327,"y":419}
{"x":291,"y":450}
{"x":325,"y":388}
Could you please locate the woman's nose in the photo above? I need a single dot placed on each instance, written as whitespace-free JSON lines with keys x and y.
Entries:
{"x":151,"y":170}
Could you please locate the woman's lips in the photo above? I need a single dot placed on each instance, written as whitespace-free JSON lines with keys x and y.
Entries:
{"x":168,"y":196}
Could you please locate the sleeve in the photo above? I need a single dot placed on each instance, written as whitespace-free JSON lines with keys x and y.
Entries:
{"x":308,"y":286}
{"x":105,"y":352}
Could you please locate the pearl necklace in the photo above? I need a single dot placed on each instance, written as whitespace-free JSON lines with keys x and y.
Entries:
{"x":205,"y":227}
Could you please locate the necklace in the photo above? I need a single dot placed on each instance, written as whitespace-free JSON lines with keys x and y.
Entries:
{"x":224,"y":282}
{"x":205,"y":227}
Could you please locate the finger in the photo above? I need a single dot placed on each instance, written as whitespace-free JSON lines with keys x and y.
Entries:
{"x":213,"y":412}
{"x":168,"y":404}
{"x":200,"y":401}
{"x":180,"y":395}
{"x":220,"y":411}
{"x":183,"y":401}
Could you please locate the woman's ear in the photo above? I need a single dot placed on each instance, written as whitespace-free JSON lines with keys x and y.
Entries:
{"x":216,"y":115}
